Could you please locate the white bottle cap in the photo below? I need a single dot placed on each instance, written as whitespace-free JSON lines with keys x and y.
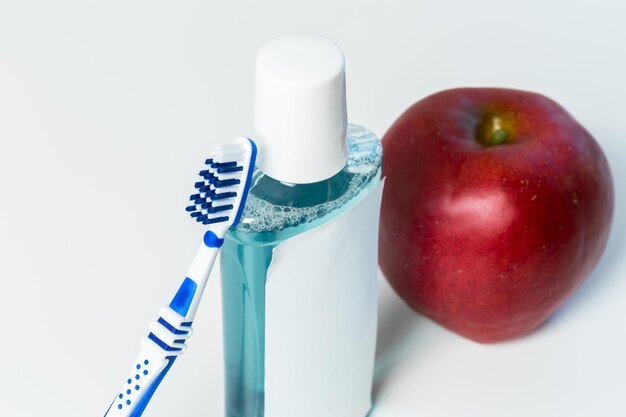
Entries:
{"x":300,"y":108}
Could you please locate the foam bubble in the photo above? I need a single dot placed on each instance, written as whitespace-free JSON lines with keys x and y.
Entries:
{"x":364,"y":162}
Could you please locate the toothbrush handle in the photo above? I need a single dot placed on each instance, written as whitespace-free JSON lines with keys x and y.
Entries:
{"x":166,"y":340}
{"x":159,"y":350}
{"x":187,"y":299}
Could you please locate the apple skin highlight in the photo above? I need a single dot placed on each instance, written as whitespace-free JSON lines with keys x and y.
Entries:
{"x":497,"y":206}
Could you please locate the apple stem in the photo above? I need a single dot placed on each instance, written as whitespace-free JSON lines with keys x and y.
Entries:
{"x":498,"y":137}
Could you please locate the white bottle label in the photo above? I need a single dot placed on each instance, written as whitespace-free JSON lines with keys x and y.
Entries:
{"x":321,"y":317}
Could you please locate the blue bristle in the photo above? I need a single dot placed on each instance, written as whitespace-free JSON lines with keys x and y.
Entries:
{"x":204,"y":198}
{"x":229,"y":169}
{"x":225,"y":183}
{"x":217,"y":209}
{"x":209,"y":208}
{"x":223,"y":196}
{"x":223,"y":164}
{"x":215,"y":220}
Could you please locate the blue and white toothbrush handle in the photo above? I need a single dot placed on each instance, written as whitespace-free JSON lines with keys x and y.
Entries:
{"x":168,"y":334}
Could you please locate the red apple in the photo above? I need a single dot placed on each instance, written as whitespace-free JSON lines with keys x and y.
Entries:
{"x":497,"y":205}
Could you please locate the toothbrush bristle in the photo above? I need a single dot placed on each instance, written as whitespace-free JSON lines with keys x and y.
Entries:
{"x":223,"y":179}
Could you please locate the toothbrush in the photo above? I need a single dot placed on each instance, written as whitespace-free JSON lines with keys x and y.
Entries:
{"x":218,"y":203}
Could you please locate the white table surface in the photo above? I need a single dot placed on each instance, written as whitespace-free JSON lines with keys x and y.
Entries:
{"x":106,"y":110}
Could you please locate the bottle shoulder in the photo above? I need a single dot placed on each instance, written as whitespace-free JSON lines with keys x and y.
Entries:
{"x":275,"y":206}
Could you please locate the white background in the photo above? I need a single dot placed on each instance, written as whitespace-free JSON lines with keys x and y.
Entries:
{"x":106,"y":111}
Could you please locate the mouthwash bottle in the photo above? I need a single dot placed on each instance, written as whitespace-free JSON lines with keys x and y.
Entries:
{"x":299,"y":271}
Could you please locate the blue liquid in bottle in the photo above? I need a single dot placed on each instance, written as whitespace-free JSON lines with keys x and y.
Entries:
{"x":276,"y":211}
